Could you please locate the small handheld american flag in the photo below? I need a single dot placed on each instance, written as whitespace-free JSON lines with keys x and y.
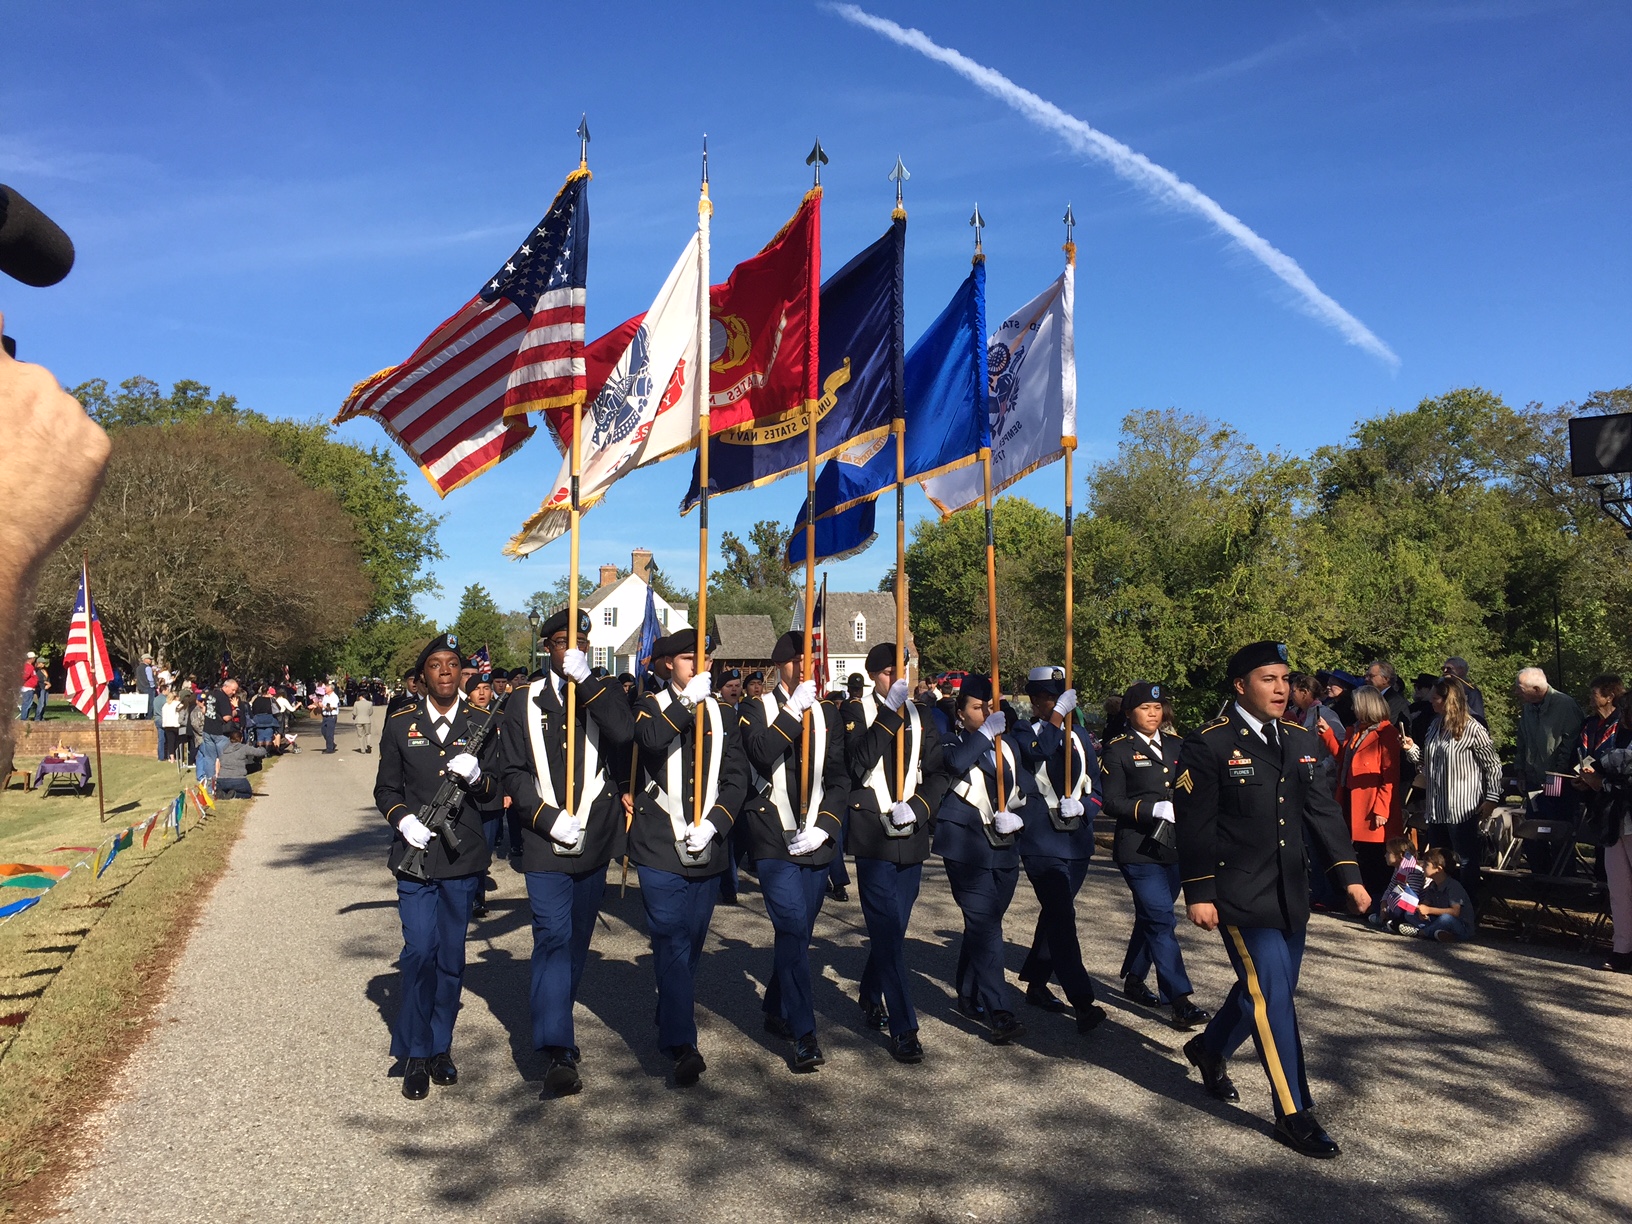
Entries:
{"x":86,"y":656}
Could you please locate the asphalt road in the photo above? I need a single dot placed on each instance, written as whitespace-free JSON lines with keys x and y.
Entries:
{"x":1481,"y":1082}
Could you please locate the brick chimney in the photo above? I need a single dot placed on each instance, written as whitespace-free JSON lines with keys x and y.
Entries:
{"x":640,"y":563}
{"x":609,"y":575}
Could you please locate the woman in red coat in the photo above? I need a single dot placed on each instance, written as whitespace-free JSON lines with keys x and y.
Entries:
{"x":1368,"y":786}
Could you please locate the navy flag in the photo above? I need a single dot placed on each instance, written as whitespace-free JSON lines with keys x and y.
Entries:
{"x":860,"y":370}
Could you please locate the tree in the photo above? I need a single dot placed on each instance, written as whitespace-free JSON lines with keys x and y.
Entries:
{"x":183,"y":569}
{"x":753,"y":581}
{"x":480,"y":624}
{"x":554,"y":597}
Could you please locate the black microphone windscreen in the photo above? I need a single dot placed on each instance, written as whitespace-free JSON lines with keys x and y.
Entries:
{"x":33,"y":248}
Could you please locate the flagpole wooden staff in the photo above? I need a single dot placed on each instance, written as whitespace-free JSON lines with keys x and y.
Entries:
{"x":99,"y":687}
{"x":569,"y":799}
{"x":816,"y":160}
{"x":1068,"y":443}
{"x":898,"y":426}
{"x":705,"y":210}
{"x":979,"y":223}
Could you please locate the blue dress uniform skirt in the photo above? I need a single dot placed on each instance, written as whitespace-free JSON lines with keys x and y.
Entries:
{"x":435,"y":916}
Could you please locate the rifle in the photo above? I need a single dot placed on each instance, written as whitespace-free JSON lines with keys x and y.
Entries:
{"x":441,"y":814}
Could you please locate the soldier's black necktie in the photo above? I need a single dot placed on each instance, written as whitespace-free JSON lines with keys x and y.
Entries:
{"x":1272,"y":735}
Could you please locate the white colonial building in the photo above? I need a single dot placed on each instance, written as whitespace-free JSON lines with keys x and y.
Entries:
{"x":616,"y":609}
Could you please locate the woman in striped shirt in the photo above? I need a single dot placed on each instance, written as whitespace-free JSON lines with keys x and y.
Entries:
{"x":1462,"y":776}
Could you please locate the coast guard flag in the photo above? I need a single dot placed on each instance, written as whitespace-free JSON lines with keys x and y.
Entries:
{"x":944,"y":408}
{"x":458,"y":405}
{"x":86,"y":656}
{"x":1033,"y":401}
{"x":860,"y":372}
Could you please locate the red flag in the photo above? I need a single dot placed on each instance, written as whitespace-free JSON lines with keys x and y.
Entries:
{"x":764,"y":332}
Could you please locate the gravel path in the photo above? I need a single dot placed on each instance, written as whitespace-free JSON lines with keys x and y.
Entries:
{"x":1465,"y":1083}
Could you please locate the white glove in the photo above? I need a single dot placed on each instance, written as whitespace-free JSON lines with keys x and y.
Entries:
{"x":810,"y":840}
{"x":699,"y":835}
{"x":575,"y":666}
{"x":414,"y":832}
{"x":995,"y":725}
{"x":698,"y":688}
{"x":1067,"y":702}
{"x":897,"y":696}
{"x":1071,"y":808}
{"x":1006,"y":823}
{"x":1162,"y":809}
{"x":802,"y":698}
{"x":566,"y":829}
{"x":902,"y":815}
{"x":466,"y":768}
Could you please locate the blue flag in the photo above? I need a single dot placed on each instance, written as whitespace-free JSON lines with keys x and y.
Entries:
{"x":838,"y":536}
{"x":650,"y":631}
{"x":945,"y":390}
{"x":860,"y":372}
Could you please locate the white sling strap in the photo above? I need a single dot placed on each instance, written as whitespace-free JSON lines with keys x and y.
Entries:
{"x":594,"y":778}
{"x":670,"y":795}
{"x":877,"y":779}
{"x":1078,"y":788}
{"x":780,"y":799}
{"x":972,"y":789}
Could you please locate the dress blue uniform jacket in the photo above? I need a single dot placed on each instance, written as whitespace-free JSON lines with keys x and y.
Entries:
{"x":1135,"y":781}
{"x":602,"y":700}
{"x":410,"y":771}
{"x":659,"y":731}
{"x":775,"y":746}
{"x":868,"y":745}
{"x":1044,"y":745}
{"x":960,"y":835}
{"x":1241,"y":808}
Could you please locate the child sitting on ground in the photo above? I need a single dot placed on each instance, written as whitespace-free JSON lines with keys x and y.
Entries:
{"x":1400,"y":899}
{"x":1445,"y":903}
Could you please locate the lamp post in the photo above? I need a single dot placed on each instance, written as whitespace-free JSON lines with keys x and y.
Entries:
{"x":532,"y":651}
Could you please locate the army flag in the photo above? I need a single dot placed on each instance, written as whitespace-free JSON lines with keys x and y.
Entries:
{"x":859,"y":372}
{"x":943,"y":408}
{"x":1033,"y":399}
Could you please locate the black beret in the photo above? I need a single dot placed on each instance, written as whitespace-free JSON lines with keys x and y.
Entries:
{"x":558,"y":623}
{"x":626,"y":678}
{"x":790,"y":646}
{"x":480,"y":677}
{"x":1426,"y":680}
{"x":518,"y":673}
{"x":681,"y":641}
{"x":1141,"y":693}
{"x":442,"y":641}
{"x":1251,"y":657}
{"x":882,"y":656}
{"x":977,"y":686}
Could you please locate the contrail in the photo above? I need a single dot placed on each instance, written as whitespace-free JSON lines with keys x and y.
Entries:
{"x":1136,"y":168}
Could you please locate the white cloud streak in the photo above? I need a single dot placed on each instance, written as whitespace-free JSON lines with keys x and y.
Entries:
{"x":1134,"y":168}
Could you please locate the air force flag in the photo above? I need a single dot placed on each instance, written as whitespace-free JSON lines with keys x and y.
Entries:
{"x":1032,"y":404}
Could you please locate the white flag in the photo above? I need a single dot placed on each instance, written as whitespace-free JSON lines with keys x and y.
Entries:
{"x":655,"y":377}
{"x":1032,"y":399}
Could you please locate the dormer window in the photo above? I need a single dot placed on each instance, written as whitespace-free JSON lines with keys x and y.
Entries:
{"x":860,"y":627}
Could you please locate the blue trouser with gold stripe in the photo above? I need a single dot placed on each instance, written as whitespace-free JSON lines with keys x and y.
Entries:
{"x":1266,"y":961}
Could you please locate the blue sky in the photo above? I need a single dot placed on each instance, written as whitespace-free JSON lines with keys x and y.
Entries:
{"x":279,"y":200}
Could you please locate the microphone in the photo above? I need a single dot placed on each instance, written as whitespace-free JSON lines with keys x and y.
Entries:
{"x":33,"y":248}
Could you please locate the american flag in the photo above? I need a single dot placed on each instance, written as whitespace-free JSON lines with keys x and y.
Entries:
{"x":86,"y":656}
{"x":458,"y":405}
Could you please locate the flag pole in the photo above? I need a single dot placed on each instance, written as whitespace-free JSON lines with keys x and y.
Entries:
{"x":979,"y":223}
{"x":898,"y":426}
{"x":98,"y":686}
{"x":816,"y":160}
{"x":1068,"y":444}
{"x":705,"y":210}
{"x":569,"y":798}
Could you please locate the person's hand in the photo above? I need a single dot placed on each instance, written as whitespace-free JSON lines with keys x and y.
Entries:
{"x":902,"y":815}
{"x":567,"y":829}
{"x":507,"y":801}
{"x":466,"y":768}
{"x":1204,"y":914}
{"x":896,"y":697}
{"x":1162,"y":809}
{"x":38,"y":418}
{"x":414,"y":832}
{"x":1006,"y":822}
{"x":575,"y":666}
{"x":699,"y":835}
{"x":628,"y":805}
{"x":807,"y":842}
{"x":996,"y":723}
{"x":1070,"y":808}
{"x":1408,"y":743}
{"x":1359,"y":899}
{"x":802,"y":698}
{"x":1066,"y":703}
{"x":698,"y":688}
{"x":1486,"y":808}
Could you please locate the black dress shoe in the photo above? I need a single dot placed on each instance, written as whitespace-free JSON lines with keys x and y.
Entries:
{"x":688,"y":1066}
{"x":416,"y":1080}
{"x":1136,"y":990}
{"x":970,"y":1010}
{"x":443,"y":1072}
{"x":906,"y":1048}
{"x":1089,"y":1018}
{"x":561,"y":1076}
{"x":1304,"y":1135}
{"x":807,"y":1054}
{"x":1186,"y":1015}
{"x":874,"y":1016}
{"x":778,"y":1027}
{"x":1215,"y":1073}
{"x":1039,"y":995}
{"x":838,"y":892}
{"x":479,"y":910}
{"x":1005,"y":1028}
